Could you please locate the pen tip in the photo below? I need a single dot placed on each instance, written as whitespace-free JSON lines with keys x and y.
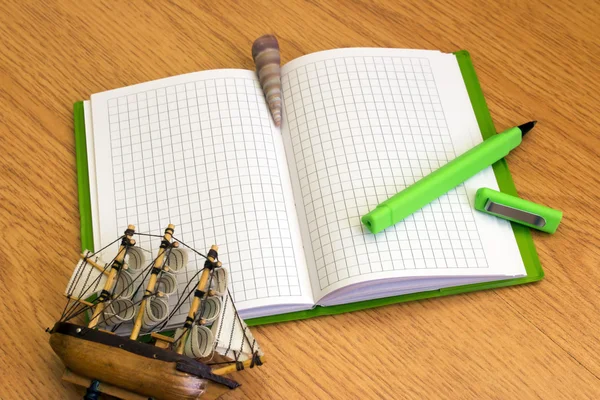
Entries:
{"x":526,"y":127}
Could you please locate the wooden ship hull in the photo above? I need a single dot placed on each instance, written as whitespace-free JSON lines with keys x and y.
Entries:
{"x":136,"y":367}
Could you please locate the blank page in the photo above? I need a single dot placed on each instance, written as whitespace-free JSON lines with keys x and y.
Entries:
{"x":361,"y":125}
{"x":200,"y":151}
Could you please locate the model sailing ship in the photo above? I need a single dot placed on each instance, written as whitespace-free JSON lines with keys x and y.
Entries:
{"x":213,"y":340}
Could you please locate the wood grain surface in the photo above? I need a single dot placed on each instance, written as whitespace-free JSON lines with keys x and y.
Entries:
{"x":535,"y":60}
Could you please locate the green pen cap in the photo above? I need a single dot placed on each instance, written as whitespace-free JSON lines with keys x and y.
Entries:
{"x":518,"y":210}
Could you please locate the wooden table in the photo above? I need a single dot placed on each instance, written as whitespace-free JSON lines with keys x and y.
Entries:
{"x":535,"y":59}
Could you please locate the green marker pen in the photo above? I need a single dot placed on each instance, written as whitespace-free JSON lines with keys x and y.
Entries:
{"x":439,"y":182}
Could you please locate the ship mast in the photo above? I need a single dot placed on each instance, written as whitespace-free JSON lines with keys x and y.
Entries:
{"x":209,"y":265}
{"x":115,"y":268}
{"x":156,"y":269}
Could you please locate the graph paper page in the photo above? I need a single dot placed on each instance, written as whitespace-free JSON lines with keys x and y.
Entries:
{"x":359,"y":126}
{"x":200,"y":151}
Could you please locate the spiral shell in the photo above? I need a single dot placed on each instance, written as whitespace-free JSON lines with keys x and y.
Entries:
{"x":265,"y":52}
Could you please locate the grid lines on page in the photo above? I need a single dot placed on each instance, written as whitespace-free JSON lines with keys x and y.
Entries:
{"x":363,"y":129}
{"x":201,"y":156}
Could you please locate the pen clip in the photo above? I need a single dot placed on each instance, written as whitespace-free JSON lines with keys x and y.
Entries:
{"x":515,"y":214}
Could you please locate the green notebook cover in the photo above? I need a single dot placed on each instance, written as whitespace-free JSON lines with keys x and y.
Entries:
{"x":505,"y":182}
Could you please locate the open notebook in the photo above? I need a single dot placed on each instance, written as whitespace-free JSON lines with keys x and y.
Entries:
{"x":201,"y":151}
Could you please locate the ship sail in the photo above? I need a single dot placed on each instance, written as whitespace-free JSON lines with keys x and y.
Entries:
{"x":233,"y":338}
{"x":229,"y":334}
{"x":89,"y":277}
{"x":156,"y":311}
{"x":156,"y":308}
{"x":220,"y":279}
{"x":124,"y":287}
{"x":85,"y":280}
{"x":199,"y":343}
{"x":118,"y":311}
{"x":167,"y":283}
{"x":211,"y":309}
{"x":135,"y":258}
{"x":176,"y":259}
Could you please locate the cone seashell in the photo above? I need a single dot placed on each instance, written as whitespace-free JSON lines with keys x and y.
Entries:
{"x":265,"y":52}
